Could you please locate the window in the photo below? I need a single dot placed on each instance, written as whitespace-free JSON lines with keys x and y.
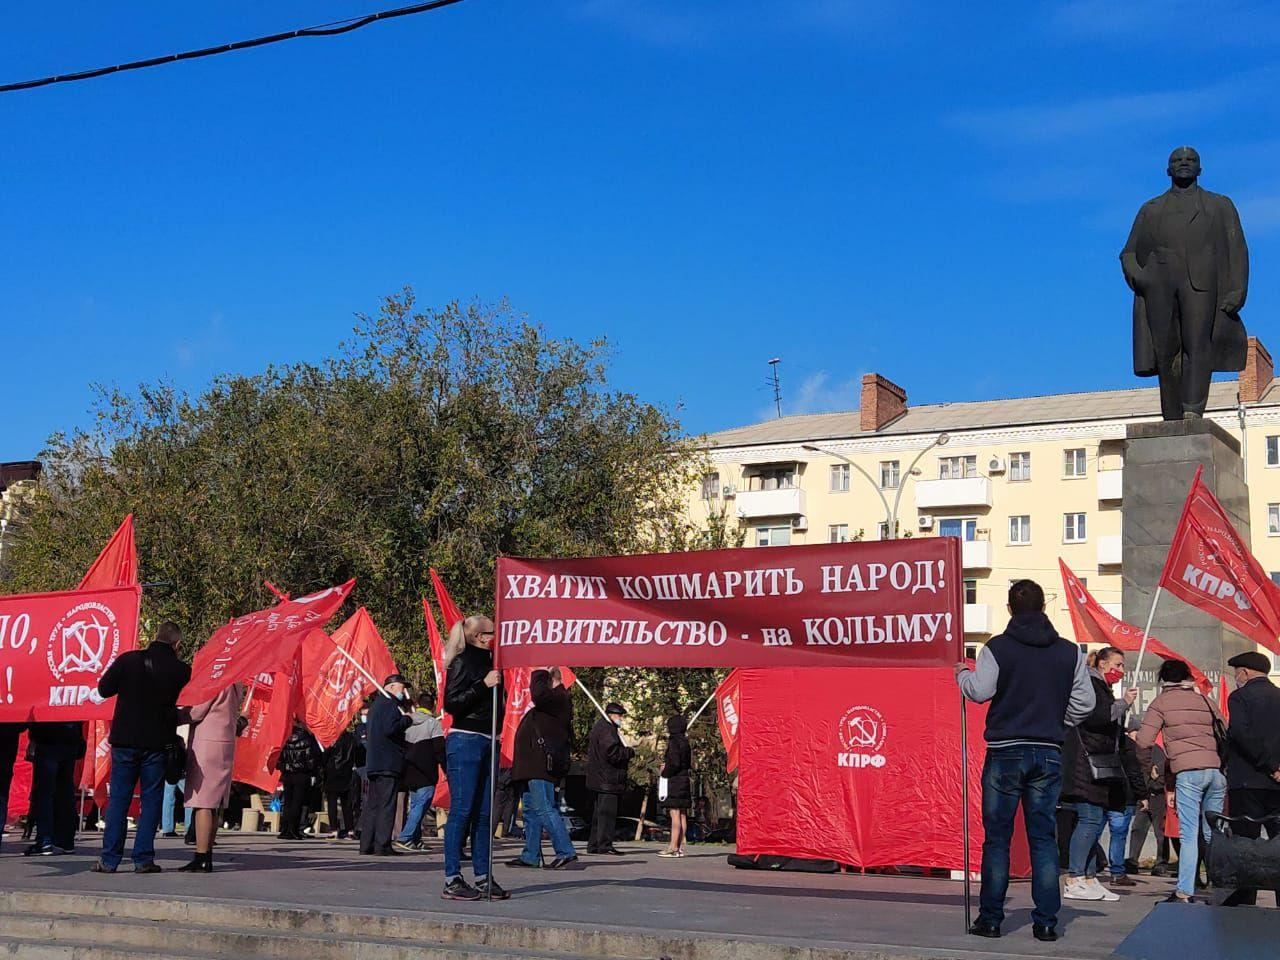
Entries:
{"x":1020,"y":529}
{"x":773,"y":536}
{"x":1273,"y":519}
{"x":971,"y":591}
{"x":839,"y":478}
{"x":1019,"y":466}
{"x":838,"y":533}
{"x":958,"y":468}
{"x":773,"y":478}
{"x":1275,"y":578}
{"x":711,"y":486}
{"x":1073,"y":464}
{"x":1073,"y":528}
{"x":882,"y":530}
{"x":889,"y":476}
{"x":971,"y":652}
{"x":966,"y":528}
{"x":1273,"y":451}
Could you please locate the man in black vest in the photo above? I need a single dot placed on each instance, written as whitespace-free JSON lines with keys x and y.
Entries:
{"x":1253,"y":755}
{"x":1038,"y":685}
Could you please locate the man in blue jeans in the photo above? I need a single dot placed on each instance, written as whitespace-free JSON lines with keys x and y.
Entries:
{"x":1038,"y":685}
{"x":145,"y":684}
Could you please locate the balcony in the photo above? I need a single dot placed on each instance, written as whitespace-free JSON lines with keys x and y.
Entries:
{"x":967,"y":492}
{"x":976,"y":554}
{"x":977,"y":618}
{"x":1110,"y":484}
{"x":1110,"y":551}
{"x":787,"y":502}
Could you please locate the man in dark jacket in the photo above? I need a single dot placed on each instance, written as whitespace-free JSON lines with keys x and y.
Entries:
{"x":339,"y":783}
{"x":298,"y":763}
{"x":470,"y":700}
{"x":9,"y":735}
{"x":146,"y":684}
{"x":1038,"y":686}
{"x":1253,"y":757}
{"x":607,"y":760}
{"x":55,"y":749}
{"x":388,"y":720}
{"x":542,"y":748}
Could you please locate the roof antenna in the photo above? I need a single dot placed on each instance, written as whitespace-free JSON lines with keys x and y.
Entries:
{"x":776,"y":384}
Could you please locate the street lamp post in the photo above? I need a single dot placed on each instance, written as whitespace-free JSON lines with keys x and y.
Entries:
{"x":890,"y":513}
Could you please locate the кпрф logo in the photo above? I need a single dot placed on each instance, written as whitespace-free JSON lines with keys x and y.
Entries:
{"x":85,"y":640}
{"x":862,"y":733}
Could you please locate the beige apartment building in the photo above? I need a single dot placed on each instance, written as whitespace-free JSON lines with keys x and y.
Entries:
{"x":1022,"y":481}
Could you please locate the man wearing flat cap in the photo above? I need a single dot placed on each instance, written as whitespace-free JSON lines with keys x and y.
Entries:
{"x":607,"y":760}
{"x":388,"y":720}
{"x":1253,"y":756}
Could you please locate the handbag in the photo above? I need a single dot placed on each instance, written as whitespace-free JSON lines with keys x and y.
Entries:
{"x":558,"y":759}
{"x":664,"y":788}
{"x":1242,"y":862}
{"x":1105,"y":767}
{"x":175,"y":751}
{"x":1220,"y":740}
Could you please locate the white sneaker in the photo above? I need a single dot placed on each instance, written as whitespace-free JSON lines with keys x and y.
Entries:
{"x":1107,"y":895}
{"x":1078,"y":888}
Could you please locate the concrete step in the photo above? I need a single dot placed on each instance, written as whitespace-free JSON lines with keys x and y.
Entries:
{"x":85,"y":950}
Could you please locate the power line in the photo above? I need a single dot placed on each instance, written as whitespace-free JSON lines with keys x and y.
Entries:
{"x":320,"y":30}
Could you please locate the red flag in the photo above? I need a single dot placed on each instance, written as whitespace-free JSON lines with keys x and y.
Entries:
{"x":274,"y":699}
{"x":728,"y":703}
{"x":448,"y":609}
{"x":437,"y":653}
{"x":519,"y":702}
{"x":1210,"y":568}
{"x":1093,"y":624}
{"x":1223,"y":695}
{"x":117,"y":564}
{"x":332,"y":686}
{"x":260,"y":642}
{"x":96,"y":772}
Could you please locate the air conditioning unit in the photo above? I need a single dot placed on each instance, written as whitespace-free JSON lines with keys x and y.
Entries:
{"x":925,"y":522}
{"x":995,"y":465}
{"x":800,"y":523}
{"x":728,"y":490}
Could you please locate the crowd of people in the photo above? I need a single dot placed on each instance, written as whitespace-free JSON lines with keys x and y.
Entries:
{"x":1062,"y":746}
{"x":390,"y":760}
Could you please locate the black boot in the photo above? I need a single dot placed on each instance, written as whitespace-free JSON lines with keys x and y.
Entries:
{"x":202,"y":863}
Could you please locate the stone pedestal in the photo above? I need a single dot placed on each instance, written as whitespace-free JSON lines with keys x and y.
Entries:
{"x":1160,"y":461}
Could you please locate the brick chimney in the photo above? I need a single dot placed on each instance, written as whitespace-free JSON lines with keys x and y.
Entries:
{"x":1255,"y":378}
{"x":883,"y":401}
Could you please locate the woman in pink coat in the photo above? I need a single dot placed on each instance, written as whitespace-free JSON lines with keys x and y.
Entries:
{"x":211,"y":752}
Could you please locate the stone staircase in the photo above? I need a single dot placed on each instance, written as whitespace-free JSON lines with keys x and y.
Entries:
{"x":38,"y":925}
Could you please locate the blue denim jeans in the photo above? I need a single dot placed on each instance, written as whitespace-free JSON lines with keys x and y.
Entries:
{"x":1091,"y":819}
{"x":130,"y":767}
{"x":467,"y":766}
{"x":168,"y":822}
{"x":419,"y":804}
{"x":1198,"y":792}
{"x":540,"y":812}
{"x":1031,"y":776}
{"x":1118,"y":822}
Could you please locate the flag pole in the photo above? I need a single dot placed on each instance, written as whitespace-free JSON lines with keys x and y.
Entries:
{"x":594,"y":702}
{"x":1146,"y":634}
{"x":359,"y":666}
{"x":493,"y":786}
{"x":704,"y":706}
{"x":964,"y":816}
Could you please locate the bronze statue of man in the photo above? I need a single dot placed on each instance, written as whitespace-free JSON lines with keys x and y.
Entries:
{"x":1188,"y":266}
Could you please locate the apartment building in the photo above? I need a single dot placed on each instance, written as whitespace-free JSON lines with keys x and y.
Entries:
{"x":1022,"y":481}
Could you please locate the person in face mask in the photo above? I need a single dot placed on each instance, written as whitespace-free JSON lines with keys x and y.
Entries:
{"x":385,"y":751}
{"x":607,"y":760}
{"x":1100,"y":803}
{"x":1185,"y":717}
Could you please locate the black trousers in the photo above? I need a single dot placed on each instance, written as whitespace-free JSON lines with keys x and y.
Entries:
{"x":9,"y":733}
{"x":1181,"y":321}
{"x":1253,"y":803}
{"x":604,"y":821}
{"x":335,"y":800}
{"x":53,"y":795}
{"x":378,"y":819}
{"x":1144,"y":821}
{"x":296,"y":786}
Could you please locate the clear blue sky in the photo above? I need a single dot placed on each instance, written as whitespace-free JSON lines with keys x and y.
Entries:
{"x":937,"y":192}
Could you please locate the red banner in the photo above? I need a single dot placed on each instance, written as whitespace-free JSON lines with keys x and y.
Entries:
{"x":728,"y":706}
{"x":273,"y":700}
{"x":861,"y":767}
{"x":333,"y":687}
{"x":1093,"y":624}
{"x":436,"y":643}
{"x":117,"y":564}
{"x":259,"y":642}
{"x":55,"y":647}
{"x":520,"y":702}
{"x":1210,"y":568}
{"x":448,"y":609}
{"x":890,"y":603}
{"x":96,"y":770}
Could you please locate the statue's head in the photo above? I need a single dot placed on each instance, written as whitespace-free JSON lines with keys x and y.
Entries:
{"x":1184,"y":166}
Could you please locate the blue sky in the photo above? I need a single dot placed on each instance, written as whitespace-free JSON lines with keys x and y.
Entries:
{"x":935,"y":192}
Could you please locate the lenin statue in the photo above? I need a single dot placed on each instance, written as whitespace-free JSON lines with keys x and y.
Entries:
{"x":1188,"y":266}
